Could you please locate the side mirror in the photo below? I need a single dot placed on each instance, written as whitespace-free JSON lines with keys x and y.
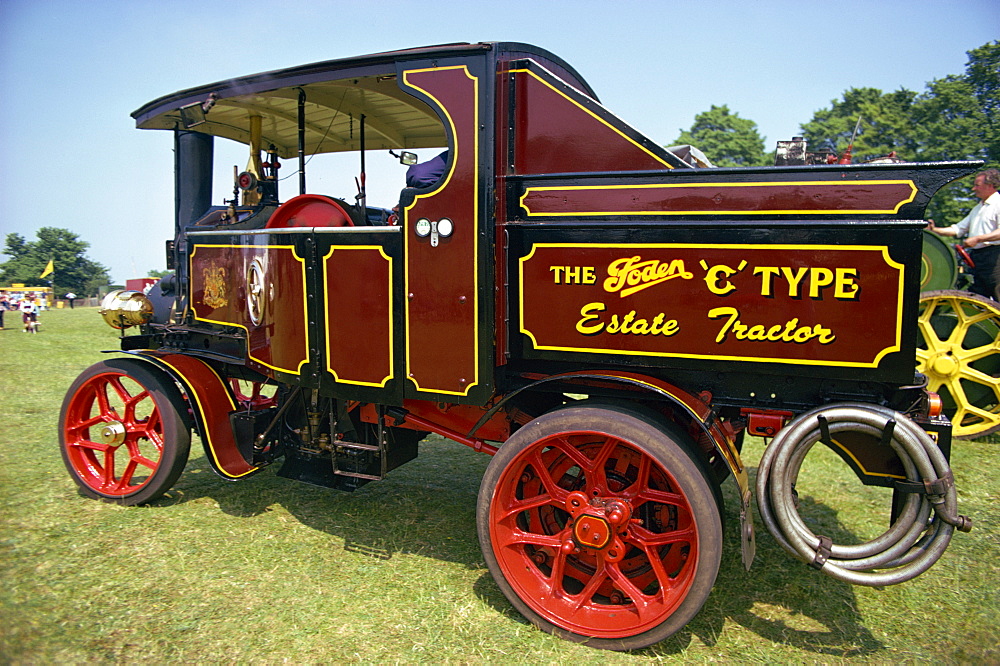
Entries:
{"x":404,"y":157}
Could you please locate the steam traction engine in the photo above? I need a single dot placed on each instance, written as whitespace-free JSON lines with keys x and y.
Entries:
{"x":606,"y":318}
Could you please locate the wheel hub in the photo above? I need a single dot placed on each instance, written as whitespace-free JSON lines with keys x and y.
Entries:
{"x":113,"y":434}
{"x":597,"y":524}
{"x":944,"y":365}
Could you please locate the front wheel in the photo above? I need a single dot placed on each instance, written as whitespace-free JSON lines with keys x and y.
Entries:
{"x":600,"y":526}
{"x":122,"y":434}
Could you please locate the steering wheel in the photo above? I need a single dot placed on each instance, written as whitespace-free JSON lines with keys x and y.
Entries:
{"x":964,"y":255}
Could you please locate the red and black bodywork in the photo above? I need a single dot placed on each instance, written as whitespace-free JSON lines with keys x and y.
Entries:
{"x":563,"y":263}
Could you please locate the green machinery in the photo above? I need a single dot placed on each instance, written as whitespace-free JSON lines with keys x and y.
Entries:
{"x":959,"y":344}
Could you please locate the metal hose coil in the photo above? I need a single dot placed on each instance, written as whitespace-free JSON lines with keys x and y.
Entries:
{"x":914,"y":541}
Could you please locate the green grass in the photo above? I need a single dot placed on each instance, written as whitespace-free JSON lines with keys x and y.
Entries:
{"x":269,"y":570}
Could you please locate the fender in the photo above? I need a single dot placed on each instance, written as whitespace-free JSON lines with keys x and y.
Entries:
{"x":211,"y":402}
{"x":699,"y":412}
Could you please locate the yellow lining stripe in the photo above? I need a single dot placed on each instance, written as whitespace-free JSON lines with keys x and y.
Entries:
{"x":475,"y":220}
{"x":207,"y":426}
{"x":595,"y":116}
{"x":862,"y":467}
{"x":326,"y":313}
{"x":305,"y":315}
{"x":725,"y":246}
{"x":777,"y":211}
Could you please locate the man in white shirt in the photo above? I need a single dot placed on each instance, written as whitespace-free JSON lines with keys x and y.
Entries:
{"x":981,"y":230}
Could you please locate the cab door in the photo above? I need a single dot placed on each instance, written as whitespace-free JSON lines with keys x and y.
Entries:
{"x":449,"y":297}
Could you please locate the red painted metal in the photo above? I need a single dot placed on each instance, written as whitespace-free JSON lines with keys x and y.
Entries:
{"x":368,"y":414}
{"x":765,"y":423}
{"x":557,"y":134}
{"x":219,"y":294}
{"x":539,"y":552}
{"x":848,"y":197}
{"x":309,"y":210}
{"x":359,"y":311}
{"x":442,"y":290}
{"x":794,"y":304}
{"x":211,"y":404}
{"x":122,"y":468}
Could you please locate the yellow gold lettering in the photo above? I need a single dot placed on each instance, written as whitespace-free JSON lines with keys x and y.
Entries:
{"x":716,"y":278}
{"x":587,"y":315}
{"x":716,"y":313}
{"x":793,"y":279}
{"x":845,"y":287}
{"x":790,"y":331}
{"x":767,"y":274}
{"x":819,"y":278}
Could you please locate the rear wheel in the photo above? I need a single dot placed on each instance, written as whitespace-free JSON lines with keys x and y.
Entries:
{"x":122,"y":434}
{"x":958,"y":350}
{"x":600,"y":526}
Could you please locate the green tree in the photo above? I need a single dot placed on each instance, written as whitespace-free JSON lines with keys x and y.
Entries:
{"x":956,"y":118}
{"x":726,"y":139}
{"x":885,"y":124}
{"x":73,"y":271}
{"x":158,"y":274}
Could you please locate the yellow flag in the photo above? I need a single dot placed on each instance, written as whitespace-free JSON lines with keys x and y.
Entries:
{"x":48,"y":269}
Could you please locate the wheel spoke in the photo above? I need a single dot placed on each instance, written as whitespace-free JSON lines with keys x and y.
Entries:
{"x":661,"y":497}
{"x":646,"y":539}
{"x":641,"y":601}
{"x":108,"y":472}
{"x":574,"y":454}
{"x":541,"y":469}
{"x":89,"y":445}
{"x":961,"y":333}
{"x":103,"y":402}
{"x":593,"y":585}
{"x":516,"y":507}
{"x":119,"y":388}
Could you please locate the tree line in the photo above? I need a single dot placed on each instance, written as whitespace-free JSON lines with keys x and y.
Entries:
{"x":72,"y":271}
{"x":955,"y":118}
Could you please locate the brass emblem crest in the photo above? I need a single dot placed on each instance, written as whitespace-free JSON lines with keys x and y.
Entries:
{"x":256,"y":297}
{"x":215,"y":286}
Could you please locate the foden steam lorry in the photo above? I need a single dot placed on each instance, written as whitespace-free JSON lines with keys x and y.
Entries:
{"x":606,"y":318}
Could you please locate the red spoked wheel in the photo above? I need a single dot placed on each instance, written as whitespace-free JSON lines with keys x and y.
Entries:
{"x":601,"y":526}
{"x":122,"y":434}
{"x":253,"y":395}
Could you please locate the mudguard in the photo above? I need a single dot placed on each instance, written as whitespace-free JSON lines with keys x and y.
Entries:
{"x":211,"y":402}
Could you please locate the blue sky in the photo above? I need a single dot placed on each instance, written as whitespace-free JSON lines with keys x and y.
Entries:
{"x":71,"y":72}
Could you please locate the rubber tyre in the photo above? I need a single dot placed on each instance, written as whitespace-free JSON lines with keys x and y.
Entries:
{"x":153,"y":440}
{"x":515,"y":541}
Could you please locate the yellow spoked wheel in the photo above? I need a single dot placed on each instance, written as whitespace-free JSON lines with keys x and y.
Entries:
{"x":959,"y":351}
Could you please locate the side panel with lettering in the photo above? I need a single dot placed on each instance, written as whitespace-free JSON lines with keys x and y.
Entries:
{"x":652,"y":303}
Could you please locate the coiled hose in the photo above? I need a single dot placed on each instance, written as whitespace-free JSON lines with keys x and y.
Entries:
{"x":914,"y":541}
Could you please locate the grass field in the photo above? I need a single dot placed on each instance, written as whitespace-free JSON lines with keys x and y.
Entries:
{"x":269,"y":570}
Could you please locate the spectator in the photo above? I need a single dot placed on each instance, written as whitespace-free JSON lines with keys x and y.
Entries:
{"x":981,"y":231}
{"x":29,"y":313}
{"x":71,"y":297}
